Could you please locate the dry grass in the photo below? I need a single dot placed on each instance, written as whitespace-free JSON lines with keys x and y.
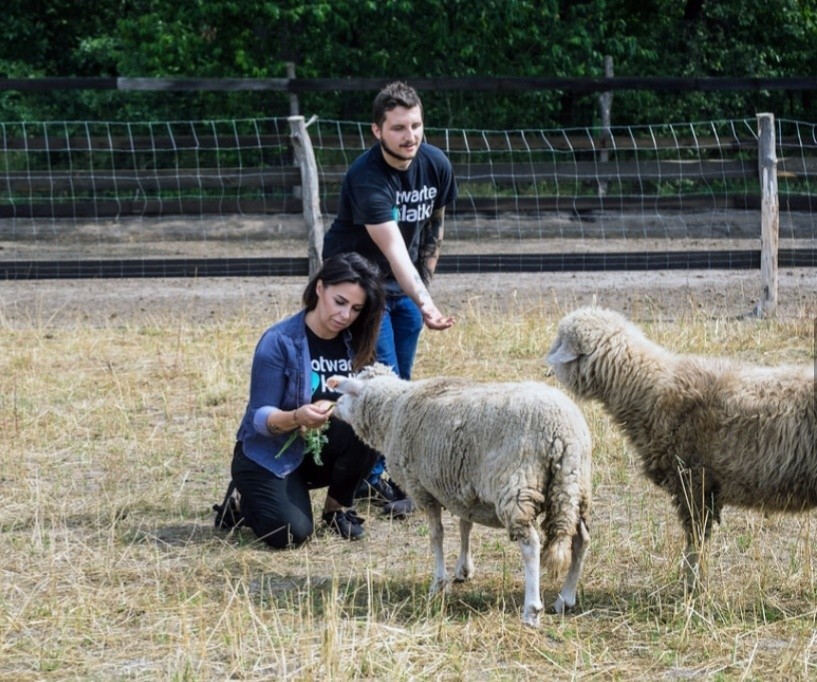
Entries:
{"x":116,"y":441}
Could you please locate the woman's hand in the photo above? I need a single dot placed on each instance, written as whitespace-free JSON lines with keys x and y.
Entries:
{"x":313,"y":415}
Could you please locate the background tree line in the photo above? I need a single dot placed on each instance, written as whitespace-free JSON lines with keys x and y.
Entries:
{"x":408,"y":38}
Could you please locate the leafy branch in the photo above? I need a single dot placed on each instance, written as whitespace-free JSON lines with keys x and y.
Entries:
{"x":314,"y":440}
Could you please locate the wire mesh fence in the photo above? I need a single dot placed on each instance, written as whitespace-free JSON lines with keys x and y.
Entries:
{"x":175,"y":198}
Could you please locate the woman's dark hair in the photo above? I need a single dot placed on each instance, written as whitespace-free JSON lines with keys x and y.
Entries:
{"x":352,"y":267}
{"x":397,"y":94}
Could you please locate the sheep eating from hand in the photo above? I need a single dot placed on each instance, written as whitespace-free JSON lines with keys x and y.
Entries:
{"x":709,"y":431}
{"x":499,"y":455}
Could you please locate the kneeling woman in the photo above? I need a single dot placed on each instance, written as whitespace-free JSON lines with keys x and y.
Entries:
{"x":335,"y":333}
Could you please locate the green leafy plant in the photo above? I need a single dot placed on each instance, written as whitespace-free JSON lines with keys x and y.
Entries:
{"x":314,"y":440}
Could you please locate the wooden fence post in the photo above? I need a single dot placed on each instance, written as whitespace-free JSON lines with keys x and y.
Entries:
{"x":293,"y":98}
{"x":605,"y":104}
{"x":310,"y":196}
{"x":769,"y":214}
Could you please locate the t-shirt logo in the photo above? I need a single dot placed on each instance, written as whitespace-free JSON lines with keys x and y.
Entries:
{"x":323,"y":368}
{"x":415,"y":206}
{"x":395,"y":214}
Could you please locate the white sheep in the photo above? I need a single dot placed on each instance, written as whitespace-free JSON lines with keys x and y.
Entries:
{"x":499,"y":455}
{"x":709,"y":431}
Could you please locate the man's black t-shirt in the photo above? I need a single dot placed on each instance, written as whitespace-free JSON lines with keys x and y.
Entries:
{"x":373,"y":192}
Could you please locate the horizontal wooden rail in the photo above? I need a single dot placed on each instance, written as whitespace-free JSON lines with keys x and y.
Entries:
{"x":227,"y":205}
{"x":143,"y":143}
{"x":287,"y":177}
{"x":452,"y":83}
{"x":90,"y":182}
{"x":465,"y":205}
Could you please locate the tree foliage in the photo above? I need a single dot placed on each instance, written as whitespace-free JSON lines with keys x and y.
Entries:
{"x":409,"y":39}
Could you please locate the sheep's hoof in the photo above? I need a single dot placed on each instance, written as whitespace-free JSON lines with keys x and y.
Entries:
{"x":692,"y":578}
{"x":463,"y":574}
{"x":464,"y":569}
{"x":561,"y":606}
{"x":530,"y":617}
{"x":439,"y":586}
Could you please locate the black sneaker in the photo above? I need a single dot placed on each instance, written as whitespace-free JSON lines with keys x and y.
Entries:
{"x":381,"y":491}
{"x":401,"y":506}
{"x":397,"y":490}
{"x":347,"y":524}
{"x":399,"y":509}
{"x":228,"y":513}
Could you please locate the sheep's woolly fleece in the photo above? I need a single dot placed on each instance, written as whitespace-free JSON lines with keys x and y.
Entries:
{"x":494,"y":454}
{"x":743,"y":435}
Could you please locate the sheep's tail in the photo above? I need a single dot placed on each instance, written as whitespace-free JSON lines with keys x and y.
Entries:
{"x":567,"y":499}
{"x":557,"y":553}
{"x":566,"y":516}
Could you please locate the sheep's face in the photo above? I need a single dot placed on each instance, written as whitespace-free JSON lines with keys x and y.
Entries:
{"x":579,"y":337}
{"x":564,"y":356}
{"x":349,"y":388}
{"x":354,"y":406}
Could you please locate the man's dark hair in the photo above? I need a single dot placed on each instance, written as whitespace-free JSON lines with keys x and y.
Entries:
{"x":397,"y":94}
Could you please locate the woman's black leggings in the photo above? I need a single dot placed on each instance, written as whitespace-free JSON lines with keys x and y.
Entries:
{"x":279,"y":510}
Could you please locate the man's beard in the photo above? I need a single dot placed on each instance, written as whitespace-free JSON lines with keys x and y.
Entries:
{"x":396,"y":155}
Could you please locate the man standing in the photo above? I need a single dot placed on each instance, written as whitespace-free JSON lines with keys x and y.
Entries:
{"x":391,"y":210}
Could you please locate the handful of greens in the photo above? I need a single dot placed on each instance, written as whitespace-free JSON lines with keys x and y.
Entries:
{"x":314,"y":439}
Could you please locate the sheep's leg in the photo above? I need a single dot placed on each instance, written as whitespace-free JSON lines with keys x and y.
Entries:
{"x":530,"y":547}
{"x":697,"y":507}
{"x":692,"y":566}
{"x":465,"y":564}
{"x":566,"y":599}
{"x":696,"y":536}
{"x":435,"y":532}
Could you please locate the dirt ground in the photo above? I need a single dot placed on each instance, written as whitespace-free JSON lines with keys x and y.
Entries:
{"x":640,"y":294}
{"x":55,"y":303}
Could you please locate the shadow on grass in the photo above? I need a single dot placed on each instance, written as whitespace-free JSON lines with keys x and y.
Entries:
{"x":178,"y":535}
{"x":399,"y":601}
{"x":402,"y":598}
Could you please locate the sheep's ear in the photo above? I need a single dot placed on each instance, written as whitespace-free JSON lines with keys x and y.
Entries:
{"x":345,"y":385}
{"x":562,"y":353}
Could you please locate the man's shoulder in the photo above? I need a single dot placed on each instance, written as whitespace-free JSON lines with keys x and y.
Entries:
{"x":433,"y":154}
{"x":431,"y":150}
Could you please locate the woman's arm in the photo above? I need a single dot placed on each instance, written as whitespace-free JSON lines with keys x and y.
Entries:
{"x":281,"y":421}
{"x":307,"y":416}
{"x":270,"y":401}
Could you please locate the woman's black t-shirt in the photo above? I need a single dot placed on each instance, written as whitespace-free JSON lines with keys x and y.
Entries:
{"x":329,"y":358}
